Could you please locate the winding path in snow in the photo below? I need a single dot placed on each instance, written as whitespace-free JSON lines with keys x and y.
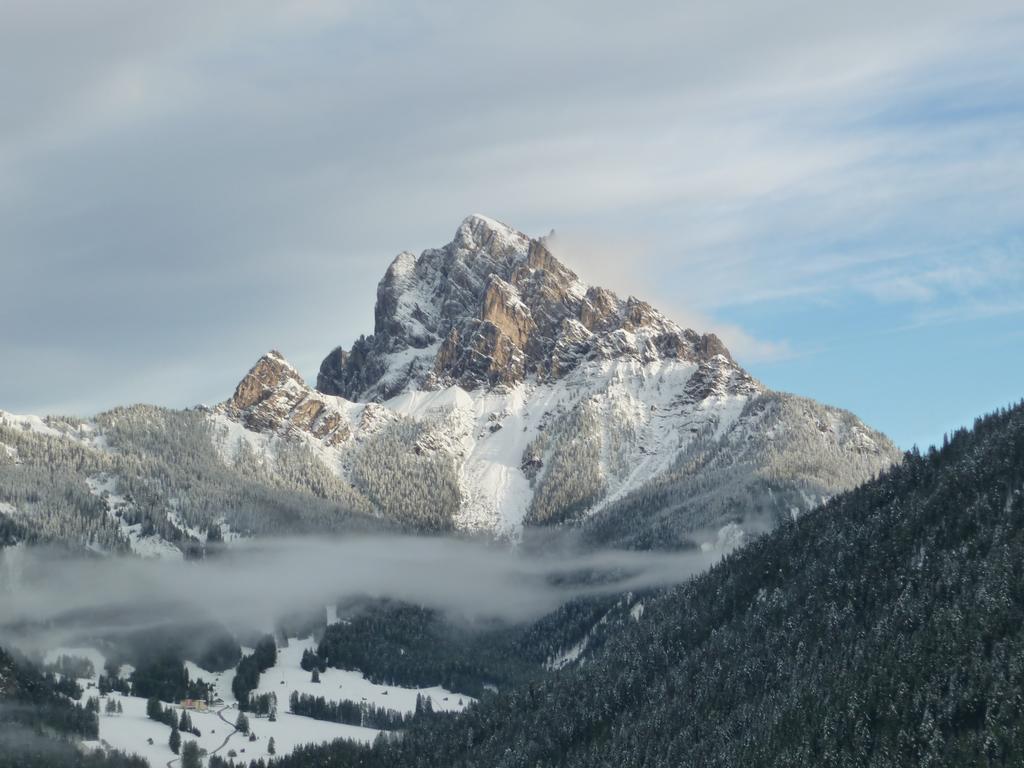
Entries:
{"x":172,"y":761}
{"x":234,"y":730}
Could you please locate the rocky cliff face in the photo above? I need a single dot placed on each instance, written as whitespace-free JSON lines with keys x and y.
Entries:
{"x":273,"y":396}
{"x":494,"y":307}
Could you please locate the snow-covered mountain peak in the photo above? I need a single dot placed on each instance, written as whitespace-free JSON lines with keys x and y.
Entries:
{"x":495,"y":307}
{"x":499,"y":391}
{"x":479,"y":233}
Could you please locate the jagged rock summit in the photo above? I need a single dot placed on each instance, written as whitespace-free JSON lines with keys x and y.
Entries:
{"x":498,"y":391}
{"x":494,"y":307}
{"x":274,"y":393}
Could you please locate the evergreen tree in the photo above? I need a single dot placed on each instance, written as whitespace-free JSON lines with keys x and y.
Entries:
{"x":175,"y":741}
{"x":247,"y":675}
{"x":190,"y":755}
{"x":271,"y":747}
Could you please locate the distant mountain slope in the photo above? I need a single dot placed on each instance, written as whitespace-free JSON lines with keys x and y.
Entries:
{"x":884,"y":629}
{"x":153,"y":481}
{"x":783,"y":455}
{"x":498,"y":390}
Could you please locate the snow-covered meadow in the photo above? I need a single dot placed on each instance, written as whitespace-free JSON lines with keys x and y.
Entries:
{"x":133,"y":732}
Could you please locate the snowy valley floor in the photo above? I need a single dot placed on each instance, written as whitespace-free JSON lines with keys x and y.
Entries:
{"x":133,"y":731}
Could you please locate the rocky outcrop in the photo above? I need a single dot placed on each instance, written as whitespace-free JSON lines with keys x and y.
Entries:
{"x":718,"y":377}
{"x":495,"y":307}
{"x":503,"y":308}
{"x":273,"y":398}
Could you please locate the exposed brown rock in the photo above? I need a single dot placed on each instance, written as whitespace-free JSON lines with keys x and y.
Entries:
{"x":492,"y":307}
{"x":273,"y":398}
{"x":503,"y":308}
{"x":711,"y":345}
{"x":599,"y":309}
{"x":264,"y":380}
{"x":639,"y":314}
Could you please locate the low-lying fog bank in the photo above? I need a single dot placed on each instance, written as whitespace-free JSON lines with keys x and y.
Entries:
{"x":47,"y":592}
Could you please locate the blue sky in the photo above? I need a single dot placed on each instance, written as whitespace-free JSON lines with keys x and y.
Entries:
{"x":838,"y":191}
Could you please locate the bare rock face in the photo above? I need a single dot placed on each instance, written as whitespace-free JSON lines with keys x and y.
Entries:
{"x":273,"y":398}
{"x":597,"y":309}
{"x":493,"y":307}
{"x":504,"y":309}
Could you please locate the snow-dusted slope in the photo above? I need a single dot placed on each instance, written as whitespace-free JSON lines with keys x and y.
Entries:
{"x":507,"y":445}
{"x":158,"y":482}
{"x":499,"y":390}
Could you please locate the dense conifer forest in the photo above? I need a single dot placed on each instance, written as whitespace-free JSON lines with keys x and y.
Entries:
{"x":885,"y":628}
{"x":39,"y":723}
{"x":400,"y":644}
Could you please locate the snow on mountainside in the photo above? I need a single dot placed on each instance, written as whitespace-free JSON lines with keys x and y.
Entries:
{"x":498,"y":391}
{"x":158,"y":482}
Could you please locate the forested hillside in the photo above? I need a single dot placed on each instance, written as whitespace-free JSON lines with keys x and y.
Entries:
{"x":38,"y":721}
{"x":401,"y":644}
{"x":885,"y":628}
{"x":142,"y":471}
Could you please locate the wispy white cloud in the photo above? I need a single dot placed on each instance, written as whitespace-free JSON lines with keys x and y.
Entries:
{"x":972,"y":310}
{"x":630,"y":268}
